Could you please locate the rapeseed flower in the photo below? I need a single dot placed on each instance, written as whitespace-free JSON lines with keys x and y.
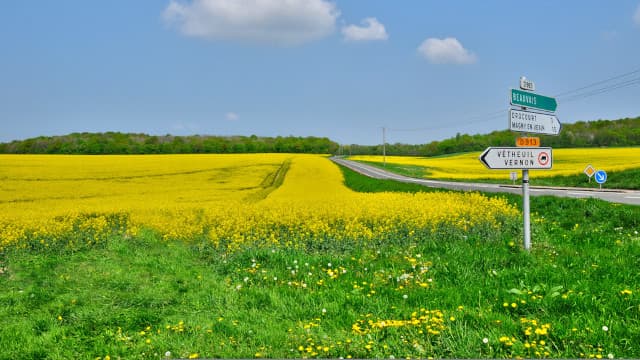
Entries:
{"x":224,"y":199}
{"x":467,"y":167}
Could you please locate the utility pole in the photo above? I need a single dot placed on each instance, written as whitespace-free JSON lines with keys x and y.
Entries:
{"x":384,"y":146}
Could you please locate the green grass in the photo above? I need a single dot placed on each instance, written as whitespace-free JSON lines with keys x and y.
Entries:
{"x":361,"y":183}
{"x":142,"y":297}
{"x":415,"y":171}
{"x":627,"y":179}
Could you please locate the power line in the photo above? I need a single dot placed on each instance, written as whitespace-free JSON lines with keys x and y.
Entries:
{"x":597,"y":83}
{"x":603,"y":90}
{"x":569,"y":98}
{"x":481,"y":118}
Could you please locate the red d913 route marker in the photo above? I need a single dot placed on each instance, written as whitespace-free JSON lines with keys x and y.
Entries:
{"x":528,"y":142}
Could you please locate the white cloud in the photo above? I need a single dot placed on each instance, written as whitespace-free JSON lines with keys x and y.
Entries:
{"x":636,"y":15}
{"x":372,"y":30}
{"x":281,"y":22}
{"x":446,"y":51}
{"x":231,"y":116}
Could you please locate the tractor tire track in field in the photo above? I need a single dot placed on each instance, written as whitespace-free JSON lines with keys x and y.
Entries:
{"x":271,"y":182}
{"x":126,"y":177}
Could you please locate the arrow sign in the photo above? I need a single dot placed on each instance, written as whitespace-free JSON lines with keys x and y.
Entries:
{"x":532,"y":122}
{"x":517,"y":158}
{"x":529,"y":99}
{"x":600,"y":176}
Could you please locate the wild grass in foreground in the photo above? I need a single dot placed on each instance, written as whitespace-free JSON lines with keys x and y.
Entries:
{"x":577,"y":294}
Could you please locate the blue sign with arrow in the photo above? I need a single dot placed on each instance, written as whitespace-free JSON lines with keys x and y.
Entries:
{"x":600,"y":176}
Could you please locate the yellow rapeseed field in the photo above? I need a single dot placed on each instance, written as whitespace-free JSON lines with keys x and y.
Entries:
{"x":565,"y":162}
{"x":228,"y":201}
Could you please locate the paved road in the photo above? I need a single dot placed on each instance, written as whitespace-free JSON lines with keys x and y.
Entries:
{"x":617,"y":196}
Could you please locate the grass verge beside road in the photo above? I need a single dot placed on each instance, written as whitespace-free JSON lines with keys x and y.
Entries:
{"x":627,"y":179}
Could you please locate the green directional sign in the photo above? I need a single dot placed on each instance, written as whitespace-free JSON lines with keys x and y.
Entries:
{"x":529,"y":99}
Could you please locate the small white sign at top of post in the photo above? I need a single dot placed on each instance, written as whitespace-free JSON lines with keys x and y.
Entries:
{"x":527,"y":84}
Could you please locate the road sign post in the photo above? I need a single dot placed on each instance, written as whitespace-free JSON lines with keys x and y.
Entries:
{"x":526,"y":210}
{"x":601,"y":177}
{"x":589,"y":171}
{"x":527,"y":155}
{"x":524,"y":158}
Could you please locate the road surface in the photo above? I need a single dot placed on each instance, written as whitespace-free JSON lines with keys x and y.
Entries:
{"x":612,"y":195}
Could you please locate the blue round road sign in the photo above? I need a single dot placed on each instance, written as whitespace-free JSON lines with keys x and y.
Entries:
{"x":600,"y":176}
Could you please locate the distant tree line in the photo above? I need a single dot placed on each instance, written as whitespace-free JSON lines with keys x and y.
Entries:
{"x":124,"y":143}
{"x":624,"y":132}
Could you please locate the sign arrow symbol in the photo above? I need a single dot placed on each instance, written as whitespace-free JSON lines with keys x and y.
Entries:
{"x":600,"y":176}
{"x":483,"y":156}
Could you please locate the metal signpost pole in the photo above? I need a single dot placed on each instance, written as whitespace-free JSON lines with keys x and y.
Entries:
{"x":526,"y":209}
{"x":528,"y":154}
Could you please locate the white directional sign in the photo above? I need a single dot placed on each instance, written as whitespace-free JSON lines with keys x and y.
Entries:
{"x":533,"y":122}
{"x":517,"y":158}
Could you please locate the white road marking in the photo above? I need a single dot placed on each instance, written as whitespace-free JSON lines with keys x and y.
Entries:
{"x":380,"y":173}
{"x":577,"y":193}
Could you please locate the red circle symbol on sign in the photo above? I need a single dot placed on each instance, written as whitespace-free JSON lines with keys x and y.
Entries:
{"x":543,"y":158}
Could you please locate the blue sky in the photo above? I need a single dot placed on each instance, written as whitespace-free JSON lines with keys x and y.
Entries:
{"x":343,"y":69}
